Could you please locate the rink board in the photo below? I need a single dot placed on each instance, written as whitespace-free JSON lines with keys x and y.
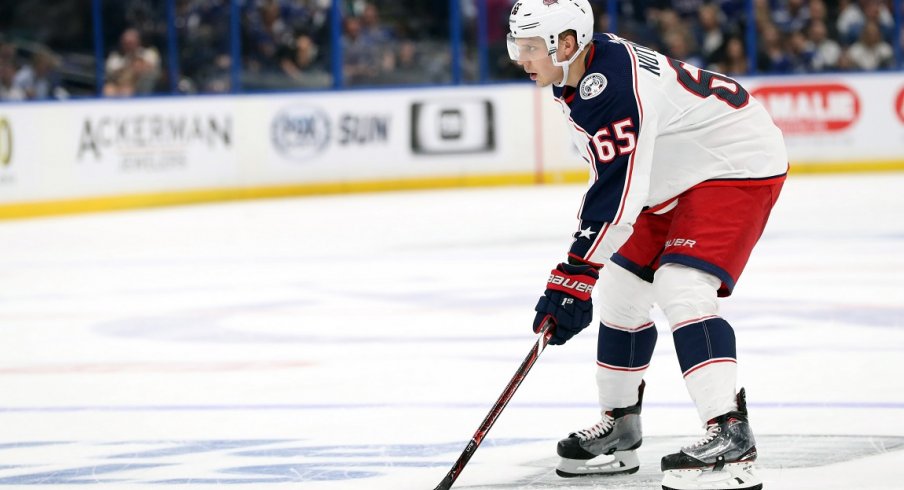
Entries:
{"x":90,"y":155}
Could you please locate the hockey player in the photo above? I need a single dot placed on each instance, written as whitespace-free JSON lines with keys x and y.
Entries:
{"x":685,"y":169}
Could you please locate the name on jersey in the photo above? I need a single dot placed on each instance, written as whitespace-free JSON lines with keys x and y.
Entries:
{"x":646,"y":57}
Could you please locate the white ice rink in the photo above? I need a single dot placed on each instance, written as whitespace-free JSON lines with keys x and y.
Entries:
{"x":357,"y":341}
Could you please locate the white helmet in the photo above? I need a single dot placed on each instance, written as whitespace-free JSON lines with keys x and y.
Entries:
{"x":547,"y":19}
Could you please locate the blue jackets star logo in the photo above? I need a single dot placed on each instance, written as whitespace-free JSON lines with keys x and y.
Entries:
{"x":587,"y":233}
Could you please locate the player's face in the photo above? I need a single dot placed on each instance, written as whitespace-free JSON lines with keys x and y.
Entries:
{"x":533,"y":56}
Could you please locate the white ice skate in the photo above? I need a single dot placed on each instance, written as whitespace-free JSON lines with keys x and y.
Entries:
{"x":607,"y":448}
{"x":722,"y":460}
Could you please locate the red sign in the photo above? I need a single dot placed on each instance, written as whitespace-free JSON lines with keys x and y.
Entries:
{"x":811,"y":108}
{"x":899,"y":105}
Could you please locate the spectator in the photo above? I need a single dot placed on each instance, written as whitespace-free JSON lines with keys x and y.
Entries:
{"x":878,"y":12}
{"x":819,"y":12}
{"x":854,"y":16}
{"x":685,"y":9}
{"x":300,"y":62}
{"x":8,"y":53}
{"x":791,"y":16}
{"x":709,"y":31}
{"x":410,"y":68}
{"x":871,"y":52}
{"x":359,"y":66}
{"x":826,"y":52}
{"x":800,"y":52}
{"x":202,"y":28}
{"x":268,"y":32}
{"x":413,"y":67}
{"x":372,"y":30}
{"x":678,"y":47}
{"x":8,"y":89}
{"x":735,"y":58}
{"x":133,"y":69}
{"x":216,"y":77}
{"x":40,"y":79}
{"x":365,"y":61}
{"x":772,"y":56}
{"x":732,"y":9}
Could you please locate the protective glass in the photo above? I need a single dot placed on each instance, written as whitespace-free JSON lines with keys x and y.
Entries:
{"x":526,"y":48}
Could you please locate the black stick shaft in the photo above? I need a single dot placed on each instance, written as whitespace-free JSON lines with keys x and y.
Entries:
{"x":545,"y":333}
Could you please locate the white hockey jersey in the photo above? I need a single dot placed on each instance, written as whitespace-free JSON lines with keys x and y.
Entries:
{"x":651,"y":128}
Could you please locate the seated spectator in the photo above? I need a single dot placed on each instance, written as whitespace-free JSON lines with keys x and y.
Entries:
{"x":202,"y":30}
{"x":819,"y":12}
{"x":8,"y":53}
{"x":678,"y":46}
{"x":709,"y":31}
{"x":733,"y":10}
{"x":772,"y":56}
{"x":734,"y":61}
{"x":791,"y":16}
{"x":853,"y":17}
{"x":365,"y":62}
{"x":300,"y":62}
{"x":878,"y":12}
{"x":413,"y":67}
{"x":133,"y":69}
{"x":372,"y":30}
{"x":216,"y":77}
{"x":826,"y":52}
{"x":40,"y":79}
{"x":871,"y":52}
{"x":268,"y":31}
{"x":685,"y":9}
{"x":800,"y":52}
{"x":8,"y":89}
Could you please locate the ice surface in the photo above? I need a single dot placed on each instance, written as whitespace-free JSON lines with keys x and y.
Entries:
{"x":358,"y":341}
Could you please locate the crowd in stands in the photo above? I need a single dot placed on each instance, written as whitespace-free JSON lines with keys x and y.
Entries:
{"x":793,"y":36}
{"x":286,"y":44}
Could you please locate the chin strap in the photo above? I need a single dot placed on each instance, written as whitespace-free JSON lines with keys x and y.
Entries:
{"x":565,"y":65}
{"x":564,"y":76}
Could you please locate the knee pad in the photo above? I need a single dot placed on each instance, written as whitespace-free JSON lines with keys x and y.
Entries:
{"x":624,"y":299}
{"x":685,"y":294}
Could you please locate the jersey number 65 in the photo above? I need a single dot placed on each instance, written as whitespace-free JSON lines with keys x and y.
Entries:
{"x":624,"y":141}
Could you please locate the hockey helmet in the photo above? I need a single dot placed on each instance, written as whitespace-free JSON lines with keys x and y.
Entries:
{"x":546,"y":20}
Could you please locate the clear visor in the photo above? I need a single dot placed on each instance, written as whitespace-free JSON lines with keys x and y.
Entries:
{"x":526,"y":48}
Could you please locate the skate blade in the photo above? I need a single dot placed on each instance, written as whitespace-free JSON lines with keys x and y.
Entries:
{"x":734,"y":476}
{"x":619,"y":463}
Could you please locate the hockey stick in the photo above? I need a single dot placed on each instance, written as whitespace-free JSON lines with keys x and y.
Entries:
{"x":546,"y":330}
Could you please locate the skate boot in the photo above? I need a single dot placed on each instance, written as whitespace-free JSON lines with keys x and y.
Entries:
{"x":607,"y":448}
{"x":722,"y":460}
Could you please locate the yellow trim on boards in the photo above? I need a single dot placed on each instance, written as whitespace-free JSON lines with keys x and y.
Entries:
{"x":847,"y":167}
{"x":197,"y":196}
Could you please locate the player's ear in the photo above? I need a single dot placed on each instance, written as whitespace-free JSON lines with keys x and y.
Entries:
{"x":568,"y":43}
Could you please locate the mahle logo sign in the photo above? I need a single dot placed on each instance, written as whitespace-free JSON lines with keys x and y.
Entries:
{"x":6,"y":142}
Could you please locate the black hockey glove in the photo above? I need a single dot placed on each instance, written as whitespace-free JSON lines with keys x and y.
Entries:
{"x":567,"y":301}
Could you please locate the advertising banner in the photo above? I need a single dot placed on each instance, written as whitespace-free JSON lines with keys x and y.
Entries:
{"x":838,"y":119}
{"x":389,"y":134}
{"x":19,"y":174}
{"x":150,"y":145}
